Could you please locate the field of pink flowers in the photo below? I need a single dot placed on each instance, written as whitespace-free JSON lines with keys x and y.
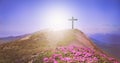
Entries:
{"x":73,"y":54}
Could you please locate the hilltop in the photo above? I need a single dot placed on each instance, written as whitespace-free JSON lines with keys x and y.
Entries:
{"x":31,"y":48}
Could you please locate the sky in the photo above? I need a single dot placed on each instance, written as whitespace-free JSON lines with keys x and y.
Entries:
{"x":19,"y":17}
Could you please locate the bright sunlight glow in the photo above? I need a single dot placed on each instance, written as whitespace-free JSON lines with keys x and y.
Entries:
{"x":57,"y":18}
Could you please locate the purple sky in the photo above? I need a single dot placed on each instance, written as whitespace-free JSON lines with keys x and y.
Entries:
{"x":26,"y":16}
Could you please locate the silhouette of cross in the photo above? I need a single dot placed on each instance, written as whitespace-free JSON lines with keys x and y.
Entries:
{"x":73,"y":21}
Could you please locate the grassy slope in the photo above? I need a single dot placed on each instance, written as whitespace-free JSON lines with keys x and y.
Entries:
{"x":22,"y":51}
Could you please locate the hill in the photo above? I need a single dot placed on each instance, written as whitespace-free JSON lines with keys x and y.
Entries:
{"x":11,"y":38}
{"x":109,"y":42}
{"x":34,"y":47}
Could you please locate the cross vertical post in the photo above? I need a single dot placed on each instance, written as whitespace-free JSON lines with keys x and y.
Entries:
{"x":73,"y":21}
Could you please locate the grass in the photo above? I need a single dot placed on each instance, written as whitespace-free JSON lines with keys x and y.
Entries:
{"x":38,"y":46}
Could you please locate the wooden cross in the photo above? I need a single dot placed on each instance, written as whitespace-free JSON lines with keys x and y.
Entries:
{"x":73,"y":21}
